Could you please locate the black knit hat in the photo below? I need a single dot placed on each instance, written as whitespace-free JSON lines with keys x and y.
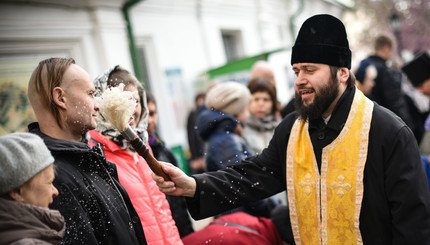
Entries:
{"x":322,"y":39}
{"x":418,"y":69}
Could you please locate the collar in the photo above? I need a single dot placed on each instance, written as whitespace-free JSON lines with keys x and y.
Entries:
{"x":339,"y":115}
{"x":108,"y":144}
{"x":377,"y":58}
{"x":55,"y":144}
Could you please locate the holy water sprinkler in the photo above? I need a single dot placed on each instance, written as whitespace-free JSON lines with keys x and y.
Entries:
{"x":117,"y":106}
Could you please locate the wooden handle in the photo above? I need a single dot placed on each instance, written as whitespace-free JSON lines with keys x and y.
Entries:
{"x":155,"y":166}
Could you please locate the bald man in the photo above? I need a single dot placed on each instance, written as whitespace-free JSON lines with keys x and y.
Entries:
{"x":96,"y":207}
{"x":262,"y":69}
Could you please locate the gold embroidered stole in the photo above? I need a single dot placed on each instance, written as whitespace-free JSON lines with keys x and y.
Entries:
{"x":325,"y":209}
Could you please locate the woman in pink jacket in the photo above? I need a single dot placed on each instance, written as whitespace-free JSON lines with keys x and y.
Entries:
{"x":133,"y":172}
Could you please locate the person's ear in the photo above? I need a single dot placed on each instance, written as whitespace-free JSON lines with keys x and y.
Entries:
{"x":58,"y":97}
{"x":343,"y":74}
{"x":15,"y":194}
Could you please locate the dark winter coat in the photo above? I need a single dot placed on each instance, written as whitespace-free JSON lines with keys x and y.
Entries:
{"x":223,"y":147}
{"x":177,"y":204}
{"x":387,"y":91}
{"x":96,"y":207}
{"x":195,"y":142}
{"x":396,"y":200}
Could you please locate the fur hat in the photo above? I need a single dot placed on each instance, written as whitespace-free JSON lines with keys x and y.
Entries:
{"x":22,"y":155}
{"x":228,"y":97}
{"x":322,"y":39}
{"x":418,"y":69}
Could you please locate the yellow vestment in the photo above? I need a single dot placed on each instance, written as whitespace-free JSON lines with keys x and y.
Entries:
{"x":325,"y":208}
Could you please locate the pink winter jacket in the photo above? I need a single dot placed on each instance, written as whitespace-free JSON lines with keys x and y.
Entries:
{"x":151,"y":204}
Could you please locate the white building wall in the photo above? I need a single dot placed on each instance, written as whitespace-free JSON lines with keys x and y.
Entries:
{"x":110,"y":33}
{"x":95,"y":39}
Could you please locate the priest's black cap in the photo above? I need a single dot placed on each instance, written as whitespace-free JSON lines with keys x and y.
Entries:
{"x":418,"y":69}
{"x":322,"y":39}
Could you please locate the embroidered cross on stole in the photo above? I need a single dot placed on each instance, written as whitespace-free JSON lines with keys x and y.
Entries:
{"x":325,"y":208}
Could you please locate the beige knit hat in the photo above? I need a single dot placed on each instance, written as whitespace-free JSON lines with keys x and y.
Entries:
{"x":228,"y":97}
{"x":22,"y":155}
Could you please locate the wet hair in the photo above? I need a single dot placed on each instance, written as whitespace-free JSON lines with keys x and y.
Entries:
{"x":351,"y":79}
{"x":383,"y":41}
{"x":48,"y":75}
{"x":261,"y":84}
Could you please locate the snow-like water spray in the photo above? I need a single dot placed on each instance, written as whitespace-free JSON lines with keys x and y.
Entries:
{"x":117,"y":106}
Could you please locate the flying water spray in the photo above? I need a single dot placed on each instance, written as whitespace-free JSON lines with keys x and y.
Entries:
{"x":117,"y":106}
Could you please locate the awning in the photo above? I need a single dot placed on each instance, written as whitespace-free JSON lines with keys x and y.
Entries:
{"x":240,"y":65}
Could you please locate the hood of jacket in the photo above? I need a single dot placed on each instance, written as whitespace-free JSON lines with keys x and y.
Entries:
{"x":210,"y":121}
{"x":59,"y":145}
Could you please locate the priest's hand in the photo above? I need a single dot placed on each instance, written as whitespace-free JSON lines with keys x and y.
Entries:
{"x":181,"y":184}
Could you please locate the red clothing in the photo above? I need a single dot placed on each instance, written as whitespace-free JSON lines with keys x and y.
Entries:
{"x":236,"y":228}
{"x":150,"y":204}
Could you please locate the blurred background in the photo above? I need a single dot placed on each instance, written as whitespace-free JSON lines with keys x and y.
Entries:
{"x":176,"y":48}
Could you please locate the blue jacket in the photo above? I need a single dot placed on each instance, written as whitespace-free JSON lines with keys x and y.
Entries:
{"x":224,"y":147}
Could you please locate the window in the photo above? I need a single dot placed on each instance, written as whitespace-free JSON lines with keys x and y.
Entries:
{"x":232,"y":41}
{"x":144,"y":67}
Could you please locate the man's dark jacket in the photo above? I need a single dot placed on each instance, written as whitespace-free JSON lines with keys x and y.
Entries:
{"x":95,"y":206}
{"x":396,"y":200}
{"x":387,"y":91}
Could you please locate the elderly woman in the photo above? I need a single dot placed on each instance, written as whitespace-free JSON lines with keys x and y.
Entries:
{"x":26,"y":190}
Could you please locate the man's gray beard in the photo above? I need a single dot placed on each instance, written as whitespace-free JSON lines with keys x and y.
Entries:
{"x":322,"y":101}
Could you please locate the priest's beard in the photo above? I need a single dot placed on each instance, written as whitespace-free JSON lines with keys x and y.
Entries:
{"x":326,"y":95}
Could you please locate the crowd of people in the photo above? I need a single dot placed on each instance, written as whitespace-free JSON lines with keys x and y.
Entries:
{"x":343,"y":163}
